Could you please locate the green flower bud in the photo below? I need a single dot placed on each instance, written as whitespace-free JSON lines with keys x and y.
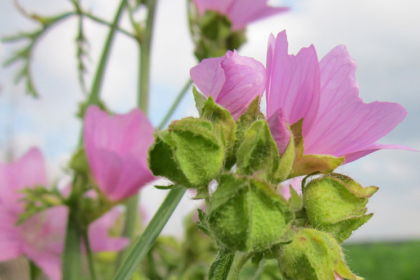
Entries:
{"x":247,"y":215}
{"x":337,"y":204}
{"x":188,"y":153}
{"x":258,"y":153}
{"x":312,"y":255}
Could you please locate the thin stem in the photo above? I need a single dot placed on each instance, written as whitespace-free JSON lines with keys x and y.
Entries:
{"x":178,"y":99}
{"x":104,"y":22}
{"x":151,"y":233}
{"x":238,"y":264}
{"x":100,"y":71}
{"x":259,"y":271}
{"x":89,"y":254}
{"x":71,"y":257}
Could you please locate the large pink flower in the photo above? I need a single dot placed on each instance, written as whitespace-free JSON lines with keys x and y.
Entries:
{"x":326,"y":95}
{"x":239,"y":12}
{"x":117,"y":149}
{"x":232,"y":80}
{"x":41,"y":237}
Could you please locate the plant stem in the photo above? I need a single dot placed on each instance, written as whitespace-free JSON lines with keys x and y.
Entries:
{"x":151,"y":233}
{"x":238,"y":264}
{"x":100,"y":70}
{"x":175,"y":104}
{"x":259,"y":271}
{"x":89,"y":254}
{"x":71,"y":257}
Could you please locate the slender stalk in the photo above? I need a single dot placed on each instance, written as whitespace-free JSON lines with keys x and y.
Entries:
{"x":71,"y":255}
{"x":145,"y":42}
{"x":178,"y":99}
{"x":89,"y":255}
{"x":151,"y":233}
{"x":238,"y":264}
{"x":104,"y":22}
{"x":259,"y":271}
{"x":100,"y":70}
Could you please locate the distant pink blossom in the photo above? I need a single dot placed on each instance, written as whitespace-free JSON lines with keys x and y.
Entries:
{"x":41,"y":237}
{"x":232,"y":80}
{"x":239,"y":12}
{"x":326,"y":95}
{"x":117,"y":150}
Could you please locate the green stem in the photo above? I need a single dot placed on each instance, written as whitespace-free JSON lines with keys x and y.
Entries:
{"x":238,"y":264}
{"x":89,"y":254}
{"x":100,"y":70}
{"x":151,"y":233}
{"x":175,"y":104}
{"x":71,"y":257}
{"x":104,"y":22}
{"x":259,"y":271}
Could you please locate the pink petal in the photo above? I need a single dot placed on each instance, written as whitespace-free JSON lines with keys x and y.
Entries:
{"x":32,"y":165}
{"x":10,"y":237}
{"x":221,"y":6}
{"x":293,"y":82}
{"x":373,"y":148}
{"x":345,"y":124}
{"x":99,"y":233}
{"x":279,"y":130}
{"x":117,"y":150}
{"x":49,"y":262}
{"x":209,"y":76}
{"x":245,"y":80}
{"x":296,"y":184}
{"x":243,"y":12}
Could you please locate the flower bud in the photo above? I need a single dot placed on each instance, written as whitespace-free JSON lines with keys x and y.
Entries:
{"x":313,"y":255}
{"x":188,"y":153}
{"x":337,"y":204}
{"x":247,"y":215}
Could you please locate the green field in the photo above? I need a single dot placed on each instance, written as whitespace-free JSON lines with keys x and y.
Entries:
{"x":385,"y":261}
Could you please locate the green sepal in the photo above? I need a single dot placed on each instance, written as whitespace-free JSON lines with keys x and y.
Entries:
{"x":307,"y":164}
{"x":220,"y":268}
{"x":223,"y":124}
{"x":286,"y":161}
{"x":251,"y":114}
{"x":202,"y":223}
{"x":258,"y":153}
{"x":199,"y":99}
{"x":169,"y":187}
{"x":187,"y":153}
{"x":313,"y":255}
{"x":337,"y":204}
{"x":246,"y":214}
{"x":295,"y":200}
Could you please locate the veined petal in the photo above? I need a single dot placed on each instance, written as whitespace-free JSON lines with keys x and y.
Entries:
{"x":209,"y":76}
{"x":279,"y":130}
{"x":245,"y":80}
{"x":345,"y":124}
{"x":221,"y":6}
{"x":294,"y":82}
{"x":373,"y":148}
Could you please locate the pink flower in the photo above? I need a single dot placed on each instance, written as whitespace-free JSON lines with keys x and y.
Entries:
{"x":117,"y":150}
{"x":41,"y":237}
{"x":99,"y":233}
{"x":326,"y":95}
{"x":295,"y":183}
{"x":233,"y":81}
{"x":239,"y":12}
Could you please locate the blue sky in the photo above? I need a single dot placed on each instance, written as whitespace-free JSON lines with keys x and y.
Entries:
{"x":380,"y":34}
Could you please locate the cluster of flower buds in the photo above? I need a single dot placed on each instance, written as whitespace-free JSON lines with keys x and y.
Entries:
{"x":250,"y":156}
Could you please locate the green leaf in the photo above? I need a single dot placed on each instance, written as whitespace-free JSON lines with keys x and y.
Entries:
{"x":220,"y":268}
{"x":199,"y":99}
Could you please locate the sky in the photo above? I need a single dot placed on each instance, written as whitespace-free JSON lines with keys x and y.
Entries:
{"x":382,"y":35}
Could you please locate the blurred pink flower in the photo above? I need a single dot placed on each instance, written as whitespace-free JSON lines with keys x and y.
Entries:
{"x":41,"y":237}
{"x":117,"y":150}
{"x":239,"y":12}
{"x":326,"y":95}
{"x":232,"y":80}
{"x":295,"y":183}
